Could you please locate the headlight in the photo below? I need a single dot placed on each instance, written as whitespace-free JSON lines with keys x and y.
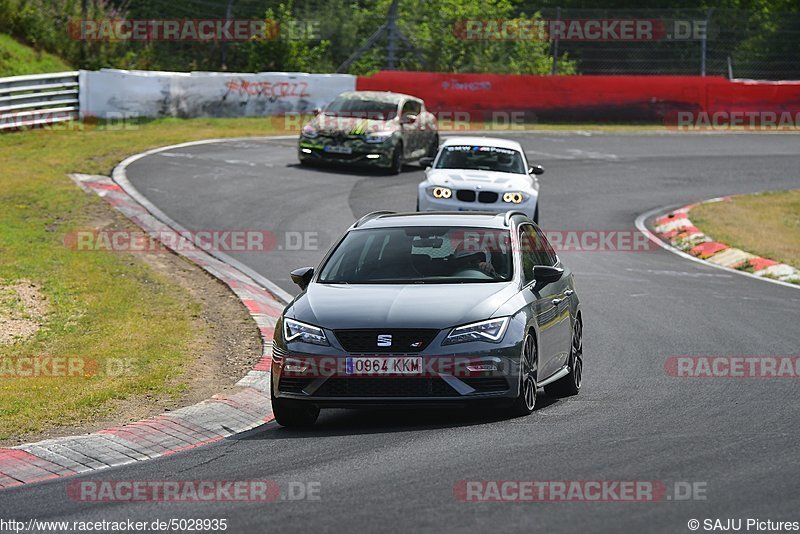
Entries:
{"x":514,"y":197}
{"x":378,"y":137}
{"x":303,"y":332}
{"x":440,"y":192}
{"x":491,"y":330}
{"x":309,"y":131}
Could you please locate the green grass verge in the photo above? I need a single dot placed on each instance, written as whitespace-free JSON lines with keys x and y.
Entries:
{"x":17,"y":59}
{"x":765,"y":224}
{"x":104,"y":308}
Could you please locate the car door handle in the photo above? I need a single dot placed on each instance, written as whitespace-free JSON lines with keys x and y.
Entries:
{"x":568,"y":292}
{"x":556,"y":302}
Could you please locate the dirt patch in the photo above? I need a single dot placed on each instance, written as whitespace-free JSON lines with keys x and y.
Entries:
{"x":225,"y":347}
{"x":23,"y":310}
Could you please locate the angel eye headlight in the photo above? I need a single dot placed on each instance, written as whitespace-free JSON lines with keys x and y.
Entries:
{"x":295,"y":330}
{"x":309,"y":131}
{"x":513,"y":197}
{"x":492,"y":330}
{"x":441,"y":192}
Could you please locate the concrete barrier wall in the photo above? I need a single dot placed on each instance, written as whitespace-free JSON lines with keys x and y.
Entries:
{"x":206,"y":94}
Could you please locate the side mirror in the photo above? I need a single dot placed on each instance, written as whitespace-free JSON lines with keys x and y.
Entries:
{"x":409,"y":119}
{"x":426,"y":161}
{"x":544,"y":275}
{"x":317,"y":111}
{"x":302,"y":276}
{"x":536,"y":169}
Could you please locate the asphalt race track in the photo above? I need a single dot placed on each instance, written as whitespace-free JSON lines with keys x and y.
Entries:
{"x":396,"y":470}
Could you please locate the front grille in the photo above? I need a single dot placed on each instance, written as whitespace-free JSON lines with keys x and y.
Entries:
{"x":465,"y":195}
{"x":402,"y":340}
{"x":487,"y":384}
{"x":385,"y":387}
{"x":290,"y":384}
{"x":487,"y":197}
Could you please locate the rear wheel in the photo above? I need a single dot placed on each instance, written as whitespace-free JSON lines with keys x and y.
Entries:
{"x":525,"y":403}
{"x":571,"y":384}
{"x":433,"y":148}
{"x":291,"y":413}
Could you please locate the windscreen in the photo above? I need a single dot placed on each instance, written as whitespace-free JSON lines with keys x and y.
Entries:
{"x":485,"y":158}
{"x":361,"y":108}
{"x":420,"y":255}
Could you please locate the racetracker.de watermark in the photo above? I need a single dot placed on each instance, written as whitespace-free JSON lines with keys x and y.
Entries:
{"x":733,"y":366}
{"x":578,"y":491}
{"x":65,"y":367}
{"x":202,"y":30}
{"x":593,"y":30}
{"x":192,"y":491}
{"x":191,"y":241}
{"x":762,"y":121}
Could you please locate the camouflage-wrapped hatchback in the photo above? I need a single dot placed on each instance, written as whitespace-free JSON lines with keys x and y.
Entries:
{"x":381,"y":129}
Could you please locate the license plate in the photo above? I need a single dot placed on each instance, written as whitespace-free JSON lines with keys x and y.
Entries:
{"x":359,"y":365}
{"x":338,"y":149}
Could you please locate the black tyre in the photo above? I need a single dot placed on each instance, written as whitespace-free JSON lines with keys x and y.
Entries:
{"x":571,"y":384}
{"x":397,"y":160}
{"x":291,"y":413}
{"x":417,"y":204}
{"x":433,"y":148}
{"x":536,"y":214}
{"x":525,"y":403}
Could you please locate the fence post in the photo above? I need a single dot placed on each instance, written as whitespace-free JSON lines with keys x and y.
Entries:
{"x":554,"y":70}
{"x":703,"y":43}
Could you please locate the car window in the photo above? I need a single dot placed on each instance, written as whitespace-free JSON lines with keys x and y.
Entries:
{"x":421,"y":255}
{"x":489,"y":158}
{"x":532,"y":250}
{"x":362,"y":108}
{"x":552,"y":258}
{"x":411,"y":107}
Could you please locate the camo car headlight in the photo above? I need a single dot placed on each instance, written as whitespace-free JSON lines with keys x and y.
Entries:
{"x":295,"y":330}
{"x":491,"y":330}
{"x":378,"y":137}
{"x":309,"y":131}
{"x":513,"y":197}
{"x":440,"y":192}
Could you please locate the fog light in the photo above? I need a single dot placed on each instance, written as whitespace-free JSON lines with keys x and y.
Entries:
{"x":373,"y":156}
{"x":295,"y":366}
{"x":305,"y":150}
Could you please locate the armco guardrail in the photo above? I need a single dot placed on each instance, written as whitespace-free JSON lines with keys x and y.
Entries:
{"x":39,"y":99}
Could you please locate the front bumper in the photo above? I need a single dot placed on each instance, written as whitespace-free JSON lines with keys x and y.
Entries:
{"x":445,"y":379}
{"x":429,"y":203}
{"x":360,"y":152}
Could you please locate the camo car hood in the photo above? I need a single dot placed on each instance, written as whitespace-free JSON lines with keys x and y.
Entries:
{"x":352,"y":125}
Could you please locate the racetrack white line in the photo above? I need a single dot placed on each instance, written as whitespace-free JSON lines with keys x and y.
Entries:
{"x":642,"y":227}
{"x":120,"y":177}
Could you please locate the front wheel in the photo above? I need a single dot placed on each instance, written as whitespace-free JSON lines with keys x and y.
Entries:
{"x":536,"y":214}
{"x":571,"y":384}
{"x":397,"y":160}
{"x":291,"y":413}
{"x":525,"y":402}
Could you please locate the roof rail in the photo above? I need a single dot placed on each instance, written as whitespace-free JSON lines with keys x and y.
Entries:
{"x":510,"y":214}
{"x":370,"y":216}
